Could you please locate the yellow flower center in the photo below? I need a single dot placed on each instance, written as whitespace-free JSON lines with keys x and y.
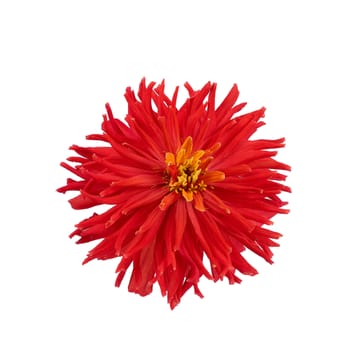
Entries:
{"x":187,"y":171}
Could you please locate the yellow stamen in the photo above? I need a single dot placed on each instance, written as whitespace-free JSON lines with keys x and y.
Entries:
{"x":187,"y":172}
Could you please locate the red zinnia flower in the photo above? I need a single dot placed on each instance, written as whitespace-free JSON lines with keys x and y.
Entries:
{"x":182,"y":183}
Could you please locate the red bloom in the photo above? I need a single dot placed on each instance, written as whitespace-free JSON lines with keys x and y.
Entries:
{"x":182,"y":183}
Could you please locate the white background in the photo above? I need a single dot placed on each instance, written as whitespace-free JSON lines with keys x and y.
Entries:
{"x":62,"y":60}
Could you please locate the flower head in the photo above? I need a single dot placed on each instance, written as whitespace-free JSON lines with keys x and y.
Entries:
{"x":182,"y":183}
